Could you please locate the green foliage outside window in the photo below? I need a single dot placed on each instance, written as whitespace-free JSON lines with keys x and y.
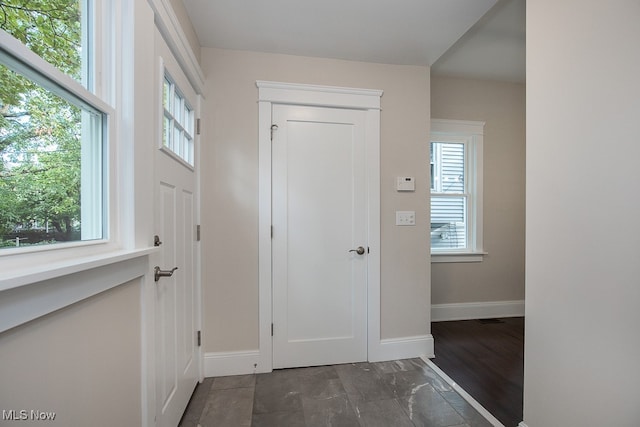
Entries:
{"x":40,"y":133}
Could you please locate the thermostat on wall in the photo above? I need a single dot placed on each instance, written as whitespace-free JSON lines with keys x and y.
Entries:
{"x":406,"y":183}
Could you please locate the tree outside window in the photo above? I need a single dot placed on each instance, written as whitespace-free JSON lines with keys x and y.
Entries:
{"x":43,"y":132}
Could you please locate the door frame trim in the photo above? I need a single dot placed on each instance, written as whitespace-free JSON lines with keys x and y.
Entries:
{"x":367,"y":100}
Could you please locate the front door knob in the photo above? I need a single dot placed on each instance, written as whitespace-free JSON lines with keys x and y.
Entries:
{"x":359,"y":251}
{"x":157,"y":273}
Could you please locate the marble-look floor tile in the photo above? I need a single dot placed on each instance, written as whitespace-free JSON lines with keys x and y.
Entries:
{"x":331,"y":412}
{"x":362,"y":382}
{"x":279,"y":419}
{"x":402,"y":365}
{"x":401,"y":393}
{"x":403,"y":384}
{"x":282,"y":390}
{"x":228,"y":408}
{"x":464,"y":408}
{"x":427,"y":408}
{"x":234,"y":381}
{"x":196,"y":404}
{"x":381,"y":413}
{"x":277,"y":392}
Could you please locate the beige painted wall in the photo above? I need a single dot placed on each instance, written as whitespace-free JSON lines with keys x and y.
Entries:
{"x":582,"y":344}
{"x":230,"y":188}
{"x":187,"y":27}
{"x":500,"y":276}
{"x":82,"y":362}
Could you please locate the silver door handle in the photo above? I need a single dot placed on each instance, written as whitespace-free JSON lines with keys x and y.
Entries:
{"x":359,"y":251}
{"x":157,"y":273}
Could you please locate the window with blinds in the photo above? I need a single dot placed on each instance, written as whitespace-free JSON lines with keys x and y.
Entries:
{"x":456,"y":187}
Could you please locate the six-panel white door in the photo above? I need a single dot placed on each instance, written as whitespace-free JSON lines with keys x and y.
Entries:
{"x":319,"y":220}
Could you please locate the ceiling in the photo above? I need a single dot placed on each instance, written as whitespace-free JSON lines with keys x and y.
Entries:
{"x":493,"y":49}
{"x":406,"y":32}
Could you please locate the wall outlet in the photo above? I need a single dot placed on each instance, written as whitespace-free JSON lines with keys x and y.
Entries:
{"x":405,"y":217}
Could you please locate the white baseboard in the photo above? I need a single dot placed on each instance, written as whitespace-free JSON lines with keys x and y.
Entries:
{"x":402,"y":348}
{"x":476,"y":310}
{"x":522,"y":424}
{"x":232,"y":363}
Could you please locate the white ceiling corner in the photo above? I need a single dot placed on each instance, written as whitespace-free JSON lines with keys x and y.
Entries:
{"x":494,"y":49}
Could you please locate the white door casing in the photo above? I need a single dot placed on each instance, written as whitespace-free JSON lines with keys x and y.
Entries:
{"x":319,"y":218}
{"x":177,"y":356}
{"x":368,"y":102}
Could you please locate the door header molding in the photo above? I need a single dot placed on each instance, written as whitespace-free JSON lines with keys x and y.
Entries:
{"x":315,"y":95}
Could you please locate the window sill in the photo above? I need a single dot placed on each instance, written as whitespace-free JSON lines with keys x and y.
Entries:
{"x":26,"y":294}
{"x":458,"y":257}
{"x":20,"y":277}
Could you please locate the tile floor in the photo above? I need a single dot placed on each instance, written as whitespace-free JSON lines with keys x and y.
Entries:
{"x":398,"y":393}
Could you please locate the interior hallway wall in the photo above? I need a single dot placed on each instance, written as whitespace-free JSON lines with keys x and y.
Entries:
{"x":230,"y":188}
{"x":582,"y":344}
{"x":81,"y":362}
{"x":500,"y":276}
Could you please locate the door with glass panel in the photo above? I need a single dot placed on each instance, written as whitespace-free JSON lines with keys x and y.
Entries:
{"x":176,"y":309}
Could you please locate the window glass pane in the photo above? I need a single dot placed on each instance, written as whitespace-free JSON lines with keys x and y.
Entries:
{"x":166,"y":132}
{"x":51,"y":187}
{"x":448,"y":170}
{"x":55,"y":30}
{"x":448,"y":219}
{"x":188,"y":150}
{"x":177,"y":141}
{"x":178,"y":122}
{"x":177,"y":107}
{"x":166,"y":95}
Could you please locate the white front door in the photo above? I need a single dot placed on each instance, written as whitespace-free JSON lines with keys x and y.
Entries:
{"x":319,"y":220}
{"x":176,"y":351}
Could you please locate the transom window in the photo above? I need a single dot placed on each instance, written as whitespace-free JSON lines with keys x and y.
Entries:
{"x":177,"y":129}
{"x":456,"y":188}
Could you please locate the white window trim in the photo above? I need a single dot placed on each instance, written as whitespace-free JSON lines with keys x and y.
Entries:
{"x":56,"y":260}
{"x":472,"y":132}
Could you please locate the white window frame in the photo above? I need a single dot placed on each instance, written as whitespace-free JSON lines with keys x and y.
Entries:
{"x":185,"y":126}
{"x":471,"y":134}
{"x":26,"y":265}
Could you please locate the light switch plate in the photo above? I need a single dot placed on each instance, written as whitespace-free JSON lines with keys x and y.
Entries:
{"x":405,"y":218}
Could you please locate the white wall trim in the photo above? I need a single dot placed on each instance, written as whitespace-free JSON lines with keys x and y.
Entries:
{"x":221,"y":364}
{"x":522,"y":424}
{"x":402,"y":348}
{"x":456,"y":126}
{"x":477,"y":310}
{"x":169,"y":26}
{"x":327,"y":96}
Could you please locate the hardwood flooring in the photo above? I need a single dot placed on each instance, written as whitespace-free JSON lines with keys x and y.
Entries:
{"x":486,"y":358}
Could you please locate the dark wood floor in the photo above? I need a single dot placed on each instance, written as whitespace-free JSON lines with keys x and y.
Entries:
{"x":486,"y":358}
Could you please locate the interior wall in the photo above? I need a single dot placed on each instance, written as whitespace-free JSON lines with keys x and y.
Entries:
{"x":500,"y":276}
{"x":230,"y":188}
{"x":582,"y":344}
{"x":187,"y":26}
{"x":81,"y":362}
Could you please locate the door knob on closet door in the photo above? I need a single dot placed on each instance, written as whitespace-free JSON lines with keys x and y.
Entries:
{"x":359,"y":251}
